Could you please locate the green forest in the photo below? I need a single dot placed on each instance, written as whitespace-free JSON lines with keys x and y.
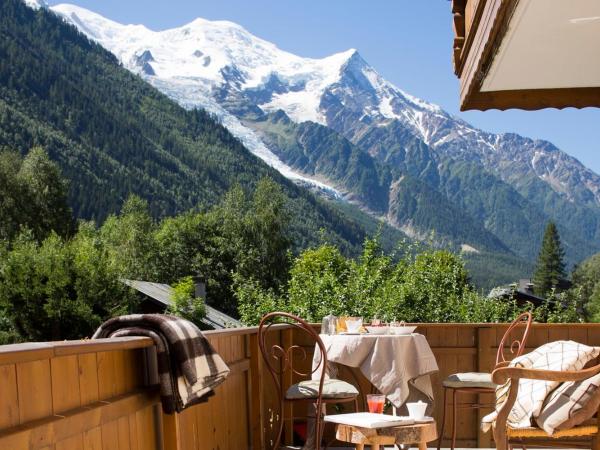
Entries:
{"x":60,"y":279}
{"x":113,"y":135}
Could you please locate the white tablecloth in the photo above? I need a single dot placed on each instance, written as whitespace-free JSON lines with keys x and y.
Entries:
{"x":397,"y":365}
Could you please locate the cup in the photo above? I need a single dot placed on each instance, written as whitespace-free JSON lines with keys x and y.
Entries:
{"x":416,"y":410}
{"x":376,"y":403}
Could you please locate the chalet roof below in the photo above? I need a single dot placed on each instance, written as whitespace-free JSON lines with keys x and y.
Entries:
{"x":160,"y":294}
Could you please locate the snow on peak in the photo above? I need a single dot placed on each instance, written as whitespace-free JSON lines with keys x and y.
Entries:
{"x":221,"y":46}
{"x":191,"y":62}
{"x":36,"y":4}
{"x":213,"y":54}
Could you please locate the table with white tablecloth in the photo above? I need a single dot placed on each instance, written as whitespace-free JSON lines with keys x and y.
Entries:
{"x":397,"y":365}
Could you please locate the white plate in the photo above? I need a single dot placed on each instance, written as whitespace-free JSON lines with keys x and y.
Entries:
{"x":369,"y":420}
{"x":402,"y":330}
{"x":348,"y":333}
{"x":378,"y":330}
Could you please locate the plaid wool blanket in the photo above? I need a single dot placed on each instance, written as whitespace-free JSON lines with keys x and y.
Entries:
{"x":558,"y":355}
{"x":188,"y":366}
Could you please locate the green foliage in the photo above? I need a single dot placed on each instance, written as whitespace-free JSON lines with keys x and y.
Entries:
{"x":550,"y":268}
{"x":113,"y":135}
{"x":317,"y":281}
{"x":418,"y":286}
{"x":256,"y":232}
{"x":586,"y":287}
{"x":253,"y":300}
{"x":184,"y":303}
{"x":560,"y":308}
{"x":129,"y":239}
{"x":64,"y":287}
{"x":60,"y":289}
{"x":32,"y":195}
{"x":243,"y":235}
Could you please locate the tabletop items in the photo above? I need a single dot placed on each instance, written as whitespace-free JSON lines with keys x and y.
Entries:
{"x":356,"y":325}
{"x":376,"y":403}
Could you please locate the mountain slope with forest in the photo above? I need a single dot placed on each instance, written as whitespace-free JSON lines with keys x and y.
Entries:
{"x":113,"y":134}
{"x":338,"y":123}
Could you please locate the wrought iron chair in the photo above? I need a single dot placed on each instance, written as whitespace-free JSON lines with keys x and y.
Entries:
{"x":319,"y":391}
{"x":481,"y":382}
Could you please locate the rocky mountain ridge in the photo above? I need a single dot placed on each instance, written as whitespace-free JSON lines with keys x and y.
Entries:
{"x":394,"y":154}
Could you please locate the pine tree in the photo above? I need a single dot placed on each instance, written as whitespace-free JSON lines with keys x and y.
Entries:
{"x":550,"y":267}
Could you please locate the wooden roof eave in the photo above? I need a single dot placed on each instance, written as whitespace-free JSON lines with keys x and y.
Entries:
{"x":475,"y":56}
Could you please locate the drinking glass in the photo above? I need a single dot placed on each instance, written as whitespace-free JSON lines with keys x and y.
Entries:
{"x":353,"y":324}
{"x":376,"y":402}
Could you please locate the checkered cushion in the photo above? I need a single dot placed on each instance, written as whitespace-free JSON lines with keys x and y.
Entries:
{"x":570,"y":404}
{"x":558,"y":355}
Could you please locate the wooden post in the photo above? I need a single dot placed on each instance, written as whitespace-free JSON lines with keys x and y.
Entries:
{"x":255,"y":394}
{"x":288,"y":379}
{"x":485,"y":363}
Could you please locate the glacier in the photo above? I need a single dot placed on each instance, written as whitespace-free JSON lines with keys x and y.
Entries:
{"x":206,"y":64}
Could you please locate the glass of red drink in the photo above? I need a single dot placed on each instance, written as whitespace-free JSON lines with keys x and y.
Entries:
{"x":376,"y":402}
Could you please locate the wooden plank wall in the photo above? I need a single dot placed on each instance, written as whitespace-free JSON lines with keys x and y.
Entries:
{"x":222,"y":422}
{"x":93,"y":395}
{"x":244,"y":412}
{"x":78,"y":395}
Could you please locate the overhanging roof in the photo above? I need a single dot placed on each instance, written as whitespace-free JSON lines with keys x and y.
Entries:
{"x":527,"y":54}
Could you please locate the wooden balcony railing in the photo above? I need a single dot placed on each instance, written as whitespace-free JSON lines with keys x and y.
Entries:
{"x":99,"y":394}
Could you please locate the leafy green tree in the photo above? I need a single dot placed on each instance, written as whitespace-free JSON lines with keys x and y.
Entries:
{"x":560,"y":307}
{"x":427,"y":286}
{"x":251,"y":241}
{"x":254,"y":301}
{"x":550,"y":267}
{"x":317,"y":283}
{"x":185,"y":304}
{"x":47,"y":208}
{"x":586,"y":287}
{"x":33,"y":196}
{"x":268,"y":221}
{"x":183,"y":247}
{"x":60,"y":289}
{"x":129,"y":239}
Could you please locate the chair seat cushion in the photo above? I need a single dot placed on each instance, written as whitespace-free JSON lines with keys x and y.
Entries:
{"x":332,"y":388}
{"x":470,"y":379}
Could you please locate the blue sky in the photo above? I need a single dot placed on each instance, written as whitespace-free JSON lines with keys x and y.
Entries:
{"x":408,"y":42}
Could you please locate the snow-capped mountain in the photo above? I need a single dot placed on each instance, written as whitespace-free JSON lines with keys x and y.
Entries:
{"x":204,"y":62}
{"x":188,"y":63}
{"x":248,"y":82}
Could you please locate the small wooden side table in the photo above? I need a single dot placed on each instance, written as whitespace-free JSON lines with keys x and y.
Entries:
{"x":420,"y":434}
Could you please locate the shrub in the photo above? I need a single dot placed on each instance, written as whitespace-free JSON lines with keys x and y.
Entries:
{"x":60,"y":288}
{"x":426,"y":286}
